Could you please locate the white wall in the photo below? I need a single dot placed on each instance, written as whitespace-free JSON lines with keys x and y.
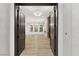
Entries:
{"x":4,"y":28}
{"x":71,"y":26}
{"x":75,"y":29}
{"x":67,"y":29}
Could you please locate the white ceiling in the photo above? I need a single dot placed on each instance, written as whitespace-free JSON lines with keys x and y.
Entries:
{"x":29,"y":10}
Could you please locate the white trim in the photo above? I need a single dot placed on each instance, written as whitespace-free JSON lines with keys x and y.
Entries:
{"x":11,"y":29}
{"x":60,"y":29}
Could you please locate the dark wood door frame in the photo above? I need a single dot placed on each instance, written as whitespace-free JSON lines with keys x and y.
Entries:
{"x":19,"y":31}
{"x":56,"y":22}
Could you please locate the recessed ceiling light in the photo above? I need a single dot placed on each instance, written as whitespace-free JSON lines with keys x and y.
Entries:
{"x":37,"y":13}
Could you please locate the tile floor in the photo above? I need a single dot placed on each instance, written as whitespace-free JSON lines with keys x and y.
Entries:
{"x":37,"y":45}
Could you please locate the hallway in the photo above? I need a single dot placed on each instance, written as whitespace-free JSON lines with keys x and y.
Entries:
{"x":36,"y":26}
{"x":37,"y":45}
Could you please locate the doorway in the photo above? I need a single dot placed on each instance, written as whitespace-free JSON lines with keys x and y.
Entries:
{"x":31,"y":33}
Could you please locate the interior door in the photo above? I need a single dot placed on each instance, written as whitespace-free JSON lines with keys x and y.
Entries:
{"x":19,"y":31}
{"x":53,"y":25}
{"x":55,"y":30}
{"x":52,"y":43}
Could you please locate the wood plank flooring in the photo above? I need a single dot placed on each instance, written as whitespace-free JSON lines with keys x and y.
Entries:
{"x":37,"y":45}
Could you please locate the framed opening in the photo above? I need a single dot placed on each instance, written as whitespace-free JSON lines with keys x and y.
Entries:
{"x":55,"y":50}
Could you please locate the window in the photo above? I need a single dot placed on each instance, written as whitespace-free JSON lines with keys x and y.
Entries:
{"x":41,"y":28}
{"x":31,"y":28}
{"x":36,"y":28}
